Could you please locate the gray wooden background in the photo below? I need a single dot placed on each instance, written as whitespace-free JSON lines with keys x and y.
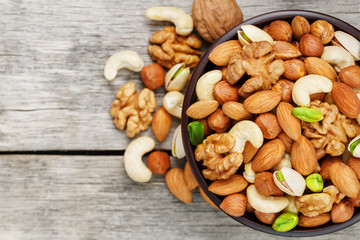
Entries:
{"x":54,"y":99}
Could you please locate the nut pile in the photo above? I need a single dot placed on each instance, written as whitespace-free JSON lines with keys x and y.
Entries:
{"x":276,"y":124}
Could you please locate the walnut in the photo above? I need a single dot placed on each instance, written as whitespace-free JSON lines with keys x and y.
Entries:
{"x":133,"y":110}
{"x":174,"y":48}
{"x":314,"y":204}
{"x":212,"y":151}
{"x":336,"y":195}
{"x":331,"y":133}
{"x":257,"y":60}
{"x":213,"y":18}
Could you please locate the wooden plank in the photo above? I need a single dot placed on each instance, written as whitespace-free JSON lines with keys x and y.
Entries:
{"x":91,"y":197}
{"x":53,"y":95}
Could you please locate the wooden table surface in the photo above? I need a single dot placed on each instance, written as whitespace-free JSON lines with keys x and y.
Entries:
{"x":61,"y":169}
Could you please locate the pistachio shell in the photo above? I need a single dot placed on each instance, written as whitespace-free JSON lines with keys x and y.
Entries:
{"x":178,"y":82}
{"x":356,"y":148}
{"x":348,"y":42}
{"x":296,"y":183}
{"x":177,"y":147}
{"x":254,"y":34}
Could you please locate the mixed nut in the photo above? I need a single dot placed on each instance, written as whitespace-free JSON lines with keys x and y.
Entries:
{"x":281,"y":105}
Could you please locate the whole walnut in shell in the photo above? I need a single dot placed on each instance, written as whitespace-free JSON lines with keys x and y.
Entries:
{"x":213,"y":18}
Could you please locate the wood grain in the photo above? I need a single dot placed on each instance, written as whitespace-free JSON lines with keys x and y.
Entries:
{"x":53,"y":95}
{"x":91,"y":197}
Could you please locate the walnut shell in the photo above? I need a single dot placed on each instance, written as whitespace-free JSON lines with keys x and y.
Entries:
{"x":213,"y":18}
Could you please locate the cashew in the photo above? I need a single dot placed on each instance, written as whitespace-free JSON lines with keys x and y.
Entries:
{"x":173,"y":102}
{"x":338,"y":57}
{"x":307,"y":85}
{"x":177,"y":146}
{"x":183,"y":22}
{"x":176,"y":78}
{"x":291,"y":207}
{"x":134,"y":166}
{"x":265,"y":204}
{"x":249,"y":174}
{"x":246,"y":131}
{"x":284,"y":162}
{"x":206,"y":83}
{"x":123,"y":59}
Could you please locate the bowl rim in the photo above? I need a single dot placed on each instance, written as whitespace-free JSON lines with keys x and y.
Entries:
{"x":198,"y":71}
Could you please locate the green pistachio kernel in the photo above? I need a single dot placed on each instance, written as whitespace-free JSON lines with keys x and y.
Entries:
{"x":314,"y":182}
{"x":280,"y":176}
{"x":196,"y":132}
{"x":307,"y":114}
{"x":354,"y":145}
{"x":246,"y":37}
{"x":285,"y":222}
{"x":177,"y":73}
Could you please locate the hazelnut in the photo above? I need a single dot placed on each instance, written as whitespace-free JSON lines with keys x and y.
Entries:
{"x":224,"y":71}
{"x":207,"y":130}
{"x":355,"y":201}
{"x":323,"y":30}
{"x":269,"y":125}
{"x":325,"y":165}
{"x":224,"y":92}
{"x":234,"y":205}
{"x":300,"y":26}
{"x":153,"y":76}
{"x":285,"y":88}
{"x":280,"y":31}
{"x":265,"y":185}
{"x":266,"y":28}
{"x":286,"y":140}
{"x":311,"y":46}
{"x":267,"y":218}
{"x":294,"y":69}
{"x":158,"y":162}
{"x":317,"y":96}
{"x":342,"y":211}
{"x":218,"y":121}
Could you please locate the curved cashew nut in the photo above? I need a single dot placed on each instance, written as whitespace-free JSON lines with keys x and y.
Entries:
{"x":246,"y":131}
{"x":123,"y":59}
{"x":176,"y":78}
{"x":173,"y":102}
{"x":177,"y":146}
{"x":337,"y":57}
{"x":249,"y":173}
{"x":265,"y":204}
{"x":292,"y":206}
{"x":183,"y":22}
{"x":134,"y":166}
{"x":307,"y":85}
{"x":206,"y":83}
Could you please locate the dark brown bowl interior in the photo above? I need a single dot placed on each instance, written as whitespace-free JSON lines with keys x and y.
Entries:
{"x":190,"y":97}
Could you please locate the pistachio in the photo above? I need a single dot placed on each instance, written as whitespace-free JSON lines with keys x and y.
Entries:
{"x":289,"y":181}
{"x":307,"y":114}
{"x":251,"y":33}
{"x":354,"y":147}
{"x":285,"y":222}
{"x":177,"y":147}
{"x":176,"y":77}
{"x":196,"y":132}
{"x":314,"y":182}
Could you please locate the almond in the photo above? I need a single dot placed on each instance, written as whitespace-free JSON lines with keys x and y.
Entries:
{"x":175,"y":181}
{"x":350,"y":76}
{"x":249,"y":152}
{"x":287,"y":141}
{"x":303,"y":156}
{"x":267,"y":218}
{"x":344,"y":178}
{"x":268,"y":155}
{"x":234,"y":205}
{"x":262,"y":101}
{"x":202,"y":109}
{"x":342,"y":211}
{"x":315,"y":65}
{"x":346,"y":99}
{"x":236,"y":111}
{"x":222,"y":53}
{"x":161,"y":124}
{"x":354,"y":164}
{"x":234,"y":184}
{"x":265,"y":185}
{"x":300,"y":26}
{"x":285,"y":50}
{"x":325,"y":165}
{"x":206,"y":198}
{"x":305,"y":221}
{"x":288,"y":122}
{"x":356,"y":201}
{"x":190,"y":180}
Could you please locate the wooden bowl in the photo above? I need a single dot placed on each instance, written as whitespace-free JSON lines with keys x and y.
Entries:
{"x":205,"y":65}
